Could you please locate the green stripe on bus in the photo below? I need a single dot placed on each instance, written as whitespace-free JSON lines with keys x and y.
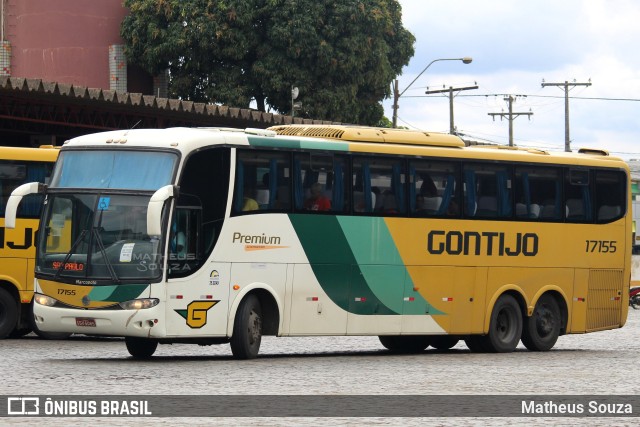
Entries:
{"x":261,"y":141}
{"x":363,"y":273}
{"x":116,"y":293}
{"x":336,"y":268}
{"x":381,"y":264}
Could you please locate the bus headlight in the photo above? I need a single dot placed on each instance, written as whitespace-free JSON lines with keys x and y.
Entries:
{"x":44,"y":300}
{"x":139,"y":304}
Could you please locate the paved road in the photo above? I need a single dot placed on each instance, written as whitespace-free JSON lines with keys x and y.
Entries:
{"x":598,"y":363}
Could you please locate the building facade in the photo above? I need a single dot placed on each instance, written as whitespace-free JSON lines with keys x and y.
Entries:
{"x":69,"y":41}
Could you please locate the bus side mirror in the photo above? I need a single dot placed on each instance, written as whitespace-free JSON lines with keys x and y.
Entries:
{"x":154,"y":210}
{"x":11,"y":210}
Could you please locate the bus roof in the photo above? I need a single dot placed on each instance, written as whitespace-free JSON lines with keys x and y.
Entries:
{"x":370,"y":134}
{"x":45,"y":153}
{"x":340,"y":138}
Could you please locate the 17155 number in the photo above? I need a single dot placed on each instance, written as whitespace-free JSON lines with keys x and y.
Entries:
{"x":603,"y":246}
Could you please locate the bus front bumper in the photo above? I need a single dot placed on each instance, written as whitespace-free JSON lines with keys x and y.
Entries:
{"x":118,"y":323}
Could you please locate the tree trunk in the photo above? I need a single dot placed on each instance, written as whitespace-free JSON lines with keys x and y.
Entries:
{"x":260,"y":103}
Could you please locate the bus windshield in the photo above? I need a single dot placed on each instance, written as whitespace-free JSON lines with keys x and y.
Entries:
{"x":134,"y":170}
{"x":97,"y":237}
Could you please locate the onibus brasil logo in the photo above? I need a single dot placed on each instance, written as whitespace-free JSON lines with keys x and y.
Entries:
{"x":196,"y":313}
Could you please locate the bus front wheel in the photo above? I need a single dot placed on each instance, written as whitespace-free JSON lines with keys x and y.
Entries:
{"x":505,"y":327}
{"x":141,"y":348}
{"x":247,"y":329}
{"x":542,"y":328}
{"x":8,"y":313}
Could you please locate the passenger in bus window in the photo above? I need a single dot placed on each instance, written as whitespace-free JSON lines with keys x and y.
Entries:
{"x":317,"y":201}
{"x":428,"y":187}
{"x":250,"y":203}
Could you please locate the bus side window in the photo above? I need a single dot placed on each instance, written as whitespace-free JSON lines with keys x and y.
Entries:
{"x":184,"y":241}
{"x":487,"y":191}
{"x":319,"y":182}
{"x":537,"y":193}
{"x":432,"y":188}
{"x":363,"y":198}
{"x":610,"y":191}
{"x":262,"y":182}
{"x":577,"y":196}
{"x":379,"y":186}
{"x":13,"y":174}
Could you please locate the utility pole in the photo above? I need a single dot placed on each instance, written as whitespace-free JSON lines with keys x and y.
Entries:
{"x":565,"y":86}
{"x":452,"y":129}
{"x":510,"y":116}
{"x":397,"y":94}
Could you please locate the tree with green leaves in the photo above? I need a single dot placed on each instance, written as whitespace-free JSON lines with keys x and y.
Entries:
{"x":341,"y":54}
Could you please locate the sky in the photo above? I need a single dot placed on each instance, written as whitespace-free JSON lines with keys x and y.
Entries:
{"x":515,"y":46}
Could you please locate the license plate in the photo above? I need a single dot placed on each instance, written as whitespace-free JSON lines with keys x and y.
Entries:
{"x":85,"y":321}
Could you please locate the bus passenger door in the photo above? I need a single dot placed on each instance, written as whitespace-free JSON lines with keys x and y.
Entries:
{"x":198,"y":305}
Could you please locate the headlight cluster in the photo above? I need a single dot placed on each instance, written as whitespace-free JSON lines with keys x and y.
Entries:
{"x":139,"y":304}
{"x":44,"y":300}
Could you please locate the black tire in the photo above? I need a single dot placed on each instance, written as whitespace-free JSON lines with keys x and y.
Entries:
{"x":477,"y":343}
{"x":19,"y":333}
{"x":8,"y":313}
{"x":505,"y":327}
{"x":141,"y":348}
{"x":43,"y":334}
{"x":405,"y":343}
{"x":541,"y":330}
{"x":444,"y":342}
{"x":247,"y":329}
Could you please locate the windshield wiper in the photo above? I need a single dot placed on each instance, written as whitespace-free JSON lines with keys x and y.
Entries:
{"x":103,"y":251}
{"x":66,"y":258}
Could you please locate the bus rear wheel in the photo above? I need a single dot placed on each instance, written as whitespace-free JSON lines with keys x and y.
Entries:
{"x":405,"y":343}
{"x":477,"y":343}
{"x":8,"y":313}
{"x":141,"y":348}
{"x":505,"y":327}
{"x":247,"y":329}
{"x":542,"y":328}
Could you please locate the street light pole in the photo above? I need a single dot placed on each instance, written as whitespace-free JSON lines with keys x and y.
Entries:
{"x":397,"y":94}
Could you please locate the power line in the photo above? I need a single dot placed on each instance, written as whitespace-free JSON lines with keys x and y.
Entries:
{"x":540,"y":96}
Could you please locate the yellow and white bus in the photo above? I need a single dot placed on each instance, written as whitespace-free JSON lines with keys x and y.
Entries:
{"x":17,"y":246}
{"x":211,"y":236}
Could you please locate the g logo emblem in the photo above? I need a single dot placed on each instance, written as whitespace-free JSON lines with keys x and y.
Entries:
{"x":196,"y":313}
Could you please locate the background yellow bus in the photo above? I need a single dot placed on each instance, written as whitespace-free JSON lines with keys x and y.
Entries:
{"x":209,"y":236}
{"x":17,"y":246}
